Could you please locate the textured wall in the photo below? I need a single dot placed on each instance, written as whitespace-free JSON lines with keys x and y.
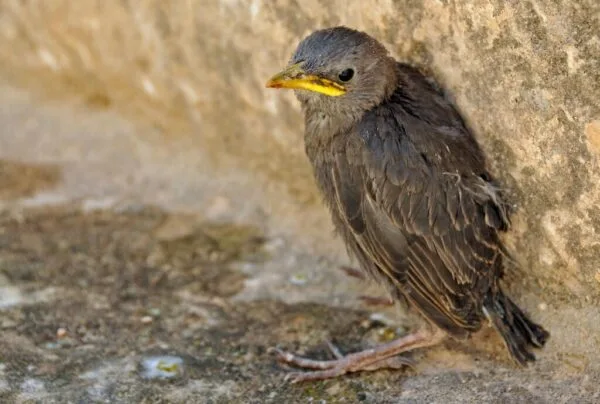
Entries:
{"x":526,"y":75}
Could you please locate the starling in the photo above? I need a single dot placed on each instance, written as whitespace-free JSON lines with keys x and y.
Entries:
{"x":410,"y":194}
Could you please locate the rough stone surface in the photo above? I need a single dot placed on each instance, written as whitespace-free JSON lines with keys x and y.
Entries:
{"x":163,"y":131}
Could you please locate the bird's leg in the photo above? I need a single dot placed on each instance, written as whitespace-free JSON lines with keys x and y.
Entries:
{"x":353,"y":272}
{"x":376,"y":300}
{"x":395,"y":362}
{"x":369,"y":300}
{"x":380,"y":357}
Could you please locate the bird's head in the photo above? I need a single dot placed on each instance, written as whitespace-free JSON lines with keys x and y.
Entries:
{"x":339,"y":71}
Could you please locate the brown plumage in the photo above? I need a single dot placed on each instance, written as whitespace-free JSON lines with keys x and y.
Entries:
{"x":408,"y":190}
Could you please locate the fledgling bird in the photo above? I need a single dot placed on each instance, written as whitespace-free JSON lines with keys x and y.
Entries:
{"x":409,"y":192}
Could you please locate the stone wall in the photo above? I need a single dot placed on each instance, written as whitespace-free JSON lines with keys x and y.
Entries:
{"x":526,"y":75}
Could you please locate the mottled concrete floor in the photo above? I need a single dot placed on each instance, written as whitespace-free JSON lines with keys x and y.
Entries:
{"x":125,"y":280}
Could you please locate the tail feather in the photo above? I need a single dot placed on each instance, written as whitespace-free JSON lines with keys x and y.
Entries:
{"x":518,"y":331}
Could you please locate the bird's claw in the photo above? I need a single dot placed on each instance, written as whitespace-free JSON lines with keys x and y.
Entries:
{"x":306,"y":363}
{"x":296,"y":377}
{"x":334,"y":350}
{"x":282,"y":355}
{"x":326,"y":369}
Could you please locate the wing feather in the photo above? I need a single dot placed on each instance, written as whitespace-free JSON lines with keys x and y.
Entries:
{"x":429,"y":230}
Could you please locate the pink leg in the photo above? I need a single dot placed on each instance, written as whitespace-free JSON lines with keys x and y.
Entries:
{"x":382,"y":356}
{"x":369,"y":300}
{"x":353,"y":272}
{"x":376,"y":301}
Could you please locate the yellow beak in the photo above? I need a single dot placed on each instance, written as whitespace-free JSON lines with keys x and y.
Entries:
{"x":295,"y":77}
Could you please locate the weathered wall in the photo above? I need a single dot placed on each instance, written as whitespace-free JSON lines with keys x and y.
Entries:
{"x":526,"y":75}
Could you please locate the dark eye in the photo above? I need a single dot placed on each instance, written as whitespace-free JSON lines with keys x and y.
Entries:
{"x":346,"y":75}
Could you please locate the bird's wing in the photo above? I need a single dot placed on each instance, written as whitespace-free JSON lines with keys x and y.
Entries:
{"x":433,"y":233}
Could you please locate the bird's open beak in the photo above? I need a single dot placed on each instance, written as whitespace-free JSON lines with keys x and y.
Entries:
{"x":295,"y":77}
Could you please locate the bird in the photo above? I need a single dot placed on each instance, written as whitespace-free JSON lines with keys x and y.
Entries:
{"x":409,"y":192}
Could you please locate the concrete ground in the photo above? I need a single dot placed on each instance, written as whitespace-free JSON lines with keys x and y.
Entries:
{"x":130,"y":272}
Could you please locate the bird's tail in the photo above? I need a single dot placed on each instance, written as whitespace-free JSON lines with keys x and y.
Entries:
{"x":518,"y":331}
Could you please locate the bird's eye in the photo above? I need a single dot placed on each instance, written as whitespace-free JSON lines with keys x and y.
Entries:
{"x":346,"y":75}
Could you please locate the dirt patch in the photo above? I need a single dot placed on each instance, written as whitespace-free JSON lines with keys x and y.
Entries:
{"x":103,"y":294}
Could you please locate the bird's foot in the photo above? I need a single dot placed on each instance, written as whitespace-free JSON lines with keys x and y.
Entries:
{"x":384,"y":356}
